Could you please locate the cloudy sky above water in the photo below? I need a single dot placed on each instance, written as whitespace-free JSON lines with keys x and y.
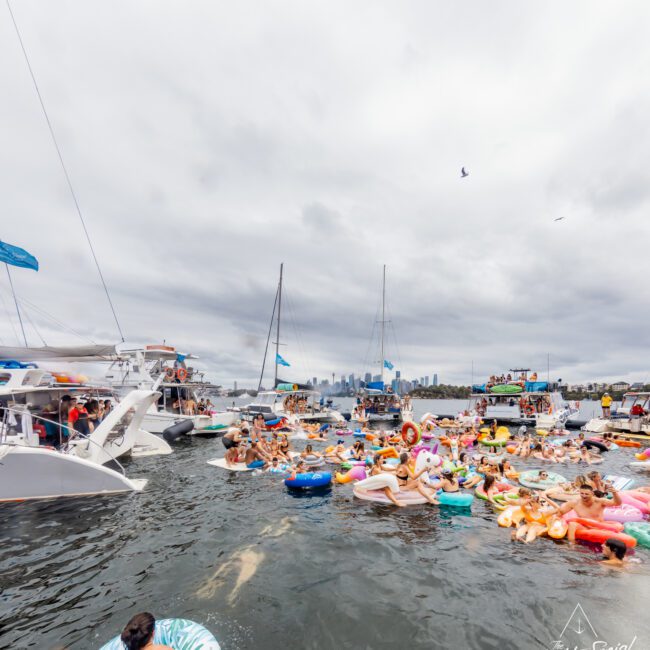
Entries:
{"x":208,"y":142}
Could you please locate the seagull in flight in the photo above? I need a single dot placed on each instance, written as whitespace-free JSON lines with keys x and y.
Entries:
{"x":558,"y":219}
{"x":463,"y":173}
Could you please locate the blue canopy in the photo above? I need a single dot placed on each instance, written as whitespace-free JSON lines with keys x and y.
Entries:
{"x":376,"y":385}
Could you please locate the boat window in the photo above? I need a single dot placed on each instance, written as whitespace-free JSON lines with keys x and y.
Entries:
{"x":4,"y":377}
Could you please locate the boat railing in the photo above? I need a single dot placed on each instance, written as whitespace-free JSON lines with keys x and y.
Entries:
{"x":72,"y":434}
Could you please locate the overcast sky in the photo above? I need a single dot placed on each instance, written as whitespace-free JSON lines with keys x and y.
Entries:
{"x":210,"y":141}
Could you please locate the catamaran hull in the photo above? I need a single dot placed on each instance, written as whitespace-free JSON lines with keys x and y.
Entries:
{"x":40,"y":473}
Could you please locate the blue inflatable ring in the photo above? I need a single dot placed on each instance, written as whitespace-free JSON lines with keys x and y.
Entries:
{"x":309,"y":480}
{"x":177,"y":633}
{"x":458,"y":499}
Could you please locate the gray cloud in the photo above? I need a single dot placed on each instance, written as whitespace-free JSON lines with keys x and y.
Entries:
{"x":211,"y":144}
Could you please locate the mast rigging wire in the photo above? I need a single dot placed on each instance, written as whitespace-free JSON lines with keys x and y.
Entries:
{"x":65,"y":171}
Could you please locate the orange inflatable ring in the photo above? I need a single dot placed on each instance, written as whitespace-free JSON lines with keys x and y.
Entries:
{"x":181,"y":373}
{"x":410,"y":433}
{"x":388,"y":452}
{"x":169,"y":373}
{"x":511,"y":448}
{"x":445,"y":441}
{"x":529,"y":410}
{"x":370,"y":436}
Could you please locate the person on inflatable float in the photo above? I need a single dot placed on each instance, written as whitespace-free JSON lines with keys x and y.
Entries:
{"x":537,"y":517}
{"x":588,"y":506}
{"x":377,"y":468}
{"x":138,"y":633}
{"x":409,"y":480}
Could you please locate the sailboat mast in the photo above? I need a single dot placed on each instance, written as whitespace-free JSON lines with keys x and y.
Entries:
{"x":277,"y":339}
{"x":383,"y":321}
{"x":20,"y":318}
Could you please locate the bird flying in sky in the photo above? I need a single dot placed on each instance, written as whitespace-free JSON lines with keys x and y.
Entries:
{"x":463,"y":173}
{"x":558,"y":219}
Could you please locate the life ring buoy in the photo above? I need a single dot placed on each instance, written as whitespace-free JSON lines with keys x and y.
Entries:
{"x":577,"y":405}
{"x":181,"y":373}
{"x":529,"y":410}
{"x":169,"y":373}
{"x":410,"y":433}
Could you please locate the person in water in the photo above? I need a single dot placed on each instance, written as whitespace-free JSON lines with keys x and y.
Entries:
{"x":614,"y":551}
{"x":139,"y":632}
{"x":588,"y":506}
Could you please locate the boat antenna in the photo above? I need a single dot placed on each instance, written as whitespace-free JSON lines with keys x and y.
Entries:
{"x":277,"y":334}
{"x":548,"y":367}
{"x":65,"y":171}
{"x":268,"y":338}
{"x":383,"y":321}
{"x":20,"y":318}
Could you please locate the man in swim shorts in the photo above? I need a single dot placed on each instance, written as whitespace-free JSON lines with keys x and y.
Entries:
{"x":254,"y":459}
{"x":588,"y":506}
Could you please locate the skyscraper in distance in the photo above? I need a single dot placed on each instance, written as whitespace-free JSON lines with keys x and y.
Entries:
{"x":435,"y":379}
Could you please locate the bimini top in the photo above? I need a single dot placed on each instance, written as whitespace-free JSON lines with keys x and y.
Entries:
{"x":512,"y":388}
{"x":72,"y":353}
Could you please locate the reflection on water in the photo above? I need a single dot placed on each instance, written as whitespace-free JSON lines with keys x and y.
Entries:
{"x":263,"y":566}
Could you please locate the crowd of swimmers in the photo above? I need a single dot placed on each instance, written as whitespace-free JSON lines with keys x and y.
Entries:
{"x":460,"y":470}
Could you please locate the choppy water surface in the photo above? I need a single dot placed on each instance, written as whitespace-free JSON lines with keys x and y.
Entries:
{"x":264,"y":568}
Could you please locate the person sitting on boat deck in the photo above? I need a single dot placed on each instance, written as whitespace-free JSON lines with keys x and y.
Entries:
{"x":588,"y":506}
{"x":410,"y":480}
{"x":254,"y":459}
{"x":139,"y":632}
{"x":614,"y":551}
{"x":538,"y":512}
{"x":258,"y":427}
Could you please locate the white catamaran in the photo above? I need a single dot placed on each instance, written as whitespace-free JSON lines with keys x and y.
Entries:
{"x":518,"y":398}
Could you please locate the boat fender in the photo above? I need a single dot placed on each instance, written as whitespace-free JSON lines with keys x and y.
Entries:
{"x":177,"y":430}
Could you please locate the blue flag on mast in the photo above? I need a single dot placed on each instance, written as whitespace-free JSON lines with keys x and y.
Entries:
{"x":17,"y":256}
{"x":388,"y":364}
{"x":281,"y":362}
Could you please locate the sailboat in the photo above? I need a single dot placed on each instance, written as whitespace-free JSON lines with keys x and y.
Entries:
{"x":378,"y":402}
{"x":294,"y":402}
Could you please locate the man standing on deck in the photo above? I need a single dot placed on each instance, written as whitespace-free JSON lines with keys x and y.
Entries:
{"x":606,"y":404}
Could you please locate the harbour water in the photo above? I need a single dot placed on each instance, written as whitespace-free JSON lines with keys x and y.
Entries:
{"x":265,"y":568}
